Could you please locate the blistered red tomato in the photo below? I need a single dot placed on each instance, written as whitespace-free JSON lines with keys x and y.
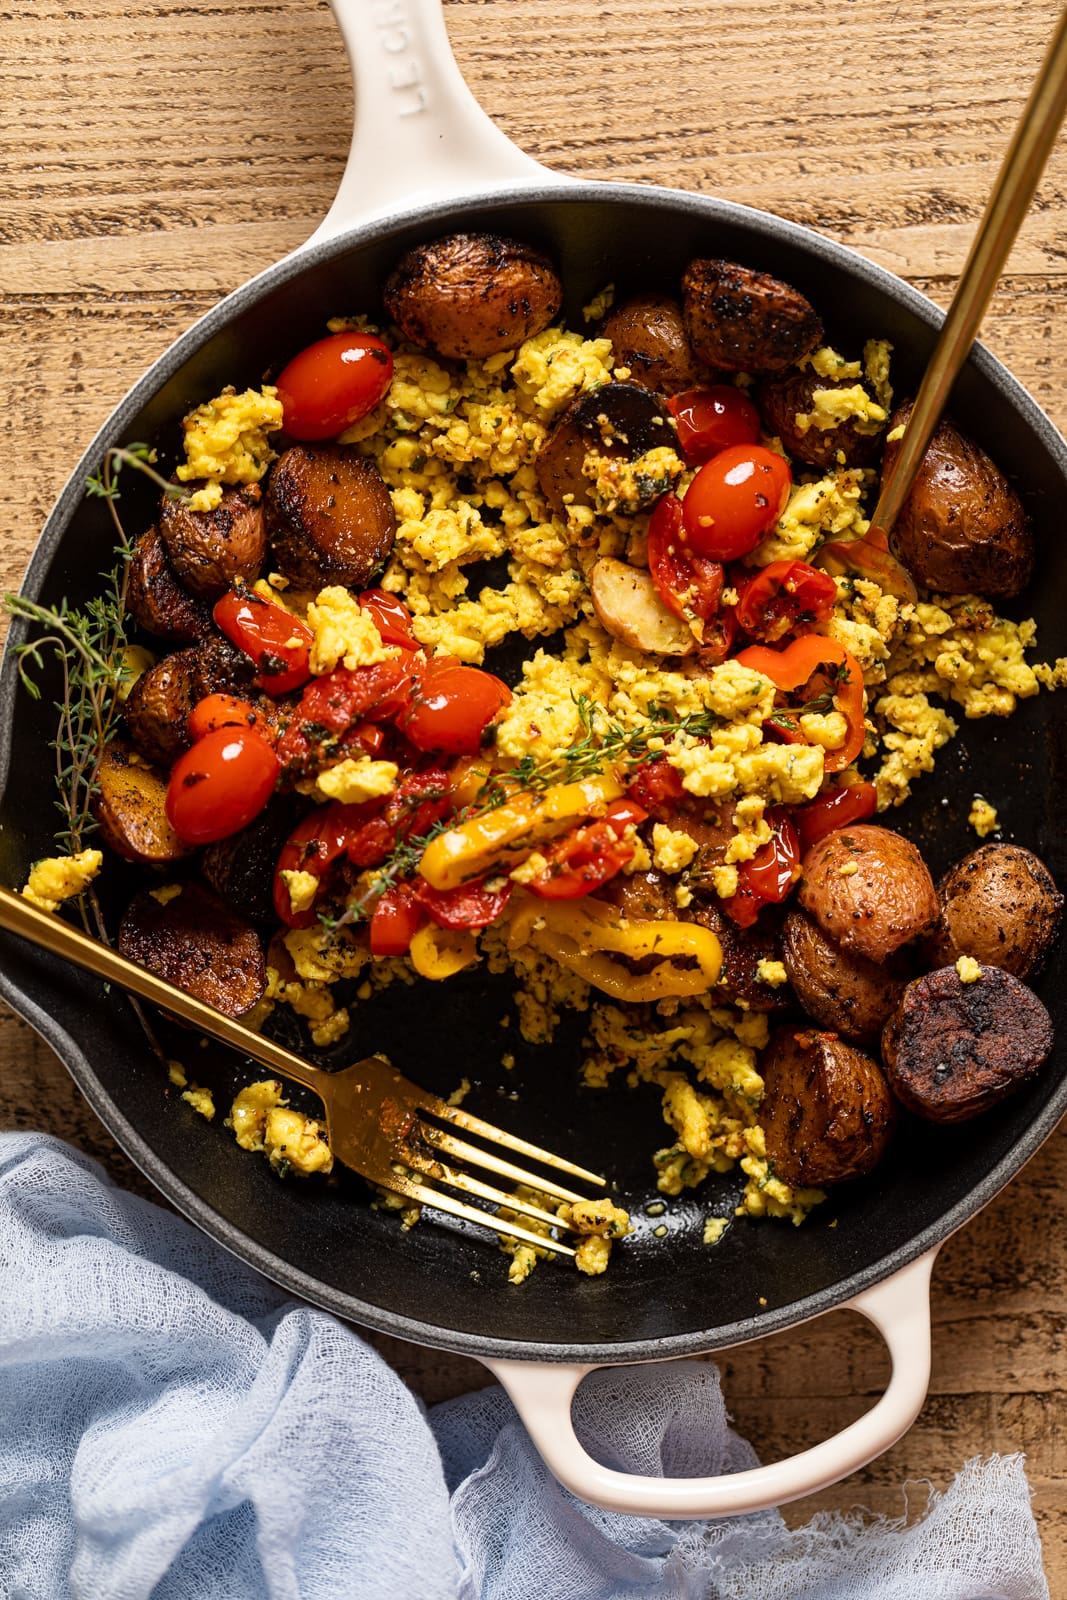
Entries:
{"x":589,"y":856}
{"x":450,"y":707}
{"x":689,"y":585}
{"x":837,"y":808}
{"x":471,"y":905}
{"x":332,"y":384}
{"x":390,"y":616}
{"x":734,"y":500}
{"x":278,"y":642}
{"x":220,"y":785}
{"x":710,"y":420}
{"x":770,"y":875}
{"x":783,"y":596}
{"x":225,"y":711}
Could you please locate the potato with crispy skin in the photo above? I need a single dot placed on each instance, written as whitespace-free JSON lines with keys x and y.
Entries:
{"x":198,"y":943}
{"x":782,"y":400}
{"x":962,"y":529}
{"x":155,"y":598}
{"x":953,"y":1049}
{"x":1000,"y":905}
{"x":330,"y":517}
{"x":157,"y":707}
{"x":741,"y":320}
{"x":826,"y":1113}
{"x":617,"y":421}
{"x":471,"y":295}
{"x":838,"y":988}
{"x":648,"y":336}
{"x":129,"y":805}
{"x":211,"y":550}
{"x":629,"y":606}
{"x":868,"y":889}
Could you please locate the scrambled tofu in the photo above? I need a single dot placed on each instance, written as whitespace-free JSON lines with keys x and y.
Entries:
{"x":292,"y":1142}
{"x":226,"y":442}
{"x":60,"y":878}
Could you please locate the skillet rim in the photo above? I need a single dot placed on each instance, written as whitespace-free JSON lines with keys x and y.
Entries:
{"x":704,"y":208}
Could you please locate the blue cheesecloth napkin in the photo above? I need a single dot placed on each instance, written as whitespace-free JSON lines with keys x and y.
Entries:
{"x":172,"y":1427}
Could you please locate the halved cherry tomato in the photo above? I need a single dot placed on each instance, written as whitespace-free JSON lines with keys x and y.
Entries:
{"x":390,"y":616}
{"x":332,"y":384}
{"x":419,"y":800}
{"x":278,"y":642}
{"x":366,"y":737}
{"x":735,"y":498}
{"x":656,"y":787}
{"x":218,"y":786}
{"x":450,"y":707}
{"x":809,"y":662}
{"x":835,"y":809}
{"x":589,"y":856}
{"x":783,"y":596}
{"x":226,"y":711}
{"x":771,"y":873}
{"x":395,"y":921}
{"x":336,"y":702}
{"x":317,"y":841}
{"x":710,"y":420}
{"x":472,"y":905}
{"x":688,"y":584}
{"x":720,"y":633}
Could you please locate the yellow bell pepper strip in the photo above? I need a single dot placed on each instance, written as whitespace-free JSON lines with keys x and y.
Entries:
{"x":492,"y":840}
{"x":579,"y":934}
{"x":797,"y":664}
{"x":442,"y":952}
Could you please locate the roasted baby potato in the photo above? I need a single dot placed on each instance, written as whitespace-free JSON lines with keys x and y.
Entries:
{"x":155,"y":598}
{"x":953,"y":1049}
{"x":782,"y":400}
{"x":999,"y":905}
{"x":838,"y":988}
{"x":962,"y":529}
{"x":629,"y":606}
{"x":745,"y":321}
{"x":199,"y":944}
{"x":617,"y":421}
{"x":157,"y":707}
{"x":130,"y":807}
{"x":826,"y":1112}
{"x":211,"y":550}
{"x":648,"y":335}
{"x":868,"y":889}
{"x":330,"y":517}
{"x":471,"y":295}
{"x":241,"y":867}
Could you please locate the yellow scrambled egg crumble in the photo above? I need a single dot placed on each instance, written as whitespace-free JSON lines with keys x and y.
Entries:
{"x":226,"y":442}
{"x":60,"y":878}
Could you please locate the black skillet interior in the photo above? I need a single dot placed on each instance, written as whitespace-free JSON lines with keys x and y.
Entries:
{"x":666,"y":1293}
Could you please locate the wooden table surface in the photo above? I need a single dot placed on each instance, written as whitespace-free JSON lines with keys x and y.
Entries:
{"x":156,"y":156}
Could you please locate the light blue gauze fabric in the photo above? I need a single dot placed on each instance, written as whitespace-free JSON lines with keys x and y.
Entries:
{"x":171,"y":1427}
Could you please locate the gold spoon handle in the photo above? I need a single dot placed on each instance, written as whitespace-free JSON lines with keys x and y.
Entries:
{"x":1018,"y":178}
{"x":44,"y":928}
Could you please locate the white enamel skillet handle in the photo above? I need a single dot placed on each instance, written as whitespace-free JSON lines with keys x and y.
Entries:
{"x":420,"y":136}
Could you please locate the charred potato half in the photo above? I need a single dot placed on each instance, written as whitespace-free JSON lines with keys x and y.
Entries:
{"x":838,"y":988}
{"x":471,"y":295}
{"x":782,"y":400}
{"x":827,"y":1114}
{"x":868,"y":889}
{"x":212,"y":550}
{"x":648,"y":335}
{"x":155,"y":598}
{"x":130,"y":807}
{"x":962,"y":529}
{"x":999,"y":905}
{"x":330,"y":517}
{"x":953,"y":1049}
{"x":199,"y":944}
{"x":617,"y":421}
{"x":744,"y":321}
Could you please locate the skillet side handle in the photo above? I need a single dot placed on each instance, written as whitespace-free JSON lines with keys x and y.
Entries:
{"x":419,"y":133}
{"x":899,"y":1308}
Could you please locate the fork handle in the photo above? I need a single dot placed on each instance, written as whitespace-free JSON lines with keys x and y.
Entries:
{"x":51,"y":933}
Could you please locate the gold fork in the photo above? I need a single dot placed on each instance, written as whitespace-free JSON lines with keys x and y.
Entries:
{"x":375,"y":1118}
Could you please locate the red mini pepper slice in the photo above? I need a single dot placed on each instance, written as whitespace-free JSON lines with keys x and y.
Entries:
{"x":771,"y":873}
{"x":395,"y":921}
{"x":471,"y":905}
{"x":278,"y":643}
{"x":809,"y":657}
{"x":783,"y":596}
{"x":837,"y":808}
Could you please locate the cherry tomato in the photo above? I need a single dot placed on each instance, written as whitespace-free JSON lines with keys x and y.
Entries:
{"x":656,"y":786}
{"x":390,"y":616}
{"x":332,"y":384}
{"x":720,"y":632}
{"x":688,"y":584}
{"x":395,"y":921}
{"x":450,"y":708}
{"x":710,"y":420}
{"x":278,"y":642}
{"x":837,"y":808}
{"x":589,"y":856}
{"x":317,"y":841}
{"x":734,"y":499}
{"x":783,"y":596}
{"x":770,"y":875}
{"x":366,"y":738}
{"x":226,"y":711}
{"x":419,"y":800}
{"x":336,"y":702}
{"x":218,"y":786}
{"x":472,"y":905}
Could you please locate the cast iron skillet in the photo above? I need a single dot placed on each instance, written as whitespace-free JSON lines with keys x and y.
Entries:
{"x":439,"y":1285}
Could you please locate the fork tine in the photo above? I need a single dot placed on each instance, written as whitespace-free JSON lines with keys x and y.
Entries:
{"x":445,"y":1202}
{"x":484,"y":1158}
{"x":487,"y":1130}
{"x":463,"y":1180}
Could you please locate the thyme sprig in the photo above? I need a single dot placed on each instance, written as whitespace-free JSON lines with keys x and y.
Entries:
{"x":104,"y":485}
